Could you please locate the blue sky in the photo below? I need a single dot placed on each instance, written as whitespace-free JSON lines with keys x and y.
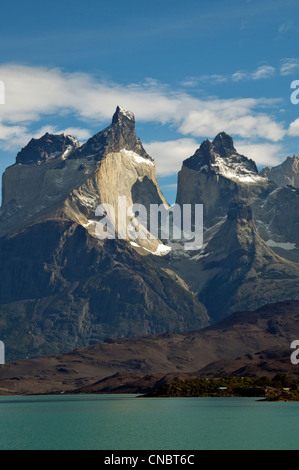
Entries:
{"x":188,"y":70}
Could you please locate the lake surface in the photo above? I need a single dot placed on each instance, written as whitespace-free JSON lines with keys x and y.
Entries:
{"x":125,"y":422}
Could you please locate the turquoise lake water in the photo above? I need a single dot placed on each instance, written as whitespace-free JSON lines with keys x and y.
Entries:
{"x":125,"y":422}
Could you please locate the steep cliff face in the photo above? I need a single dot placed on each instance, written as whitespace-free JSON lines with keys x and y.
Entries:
{"x":278,"y":217}
{"x":237,"y":270}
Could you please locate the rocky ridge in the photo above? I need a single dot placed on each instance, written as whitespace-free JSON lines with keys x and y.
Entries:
{"x":287,"y":173}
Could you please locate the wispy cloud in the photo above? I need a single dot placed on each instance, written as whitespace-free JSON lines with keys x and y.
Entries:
{"x":213,"y":78}
{"x":261,"y":73}
{"x":238,"y":76}
{"x":289,"y":66}
{"x":287,"y":27}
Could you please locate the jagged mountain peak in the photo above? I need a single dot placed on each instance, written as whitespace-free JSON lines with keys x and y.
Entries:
{"x":224,"y":144}
{"x":47,"y":146}
{"x":122,"y":115}
{"x":287,"y":173}
{"x":120,"y":135}
{"x":221,"y":158}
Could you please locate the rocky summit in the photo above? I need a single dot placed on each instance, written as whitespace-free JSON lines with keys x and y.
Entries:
{"x":215,"y":175}
{"x":49,"y":146}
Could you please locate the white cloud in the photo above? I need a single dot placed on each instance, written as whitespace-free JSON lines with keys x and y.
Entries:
{"x":236,"y":117}
{"x":264,"y":154}
{"x":34,"y":93}
{"x":170,"y":155}
{"x":13,"y":138}
{"x":80,"y":134}
{"x":294,"y":128}
{"x":289,"y":66}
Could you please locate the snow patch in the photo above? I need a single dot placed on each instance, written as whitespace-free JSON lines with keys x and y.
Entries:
{"x":200,"y":256}
{"x":90,"y":222}
{"x":160,"y":251}
{"x":138,"y":159}
{"x":67,"y":152}
{"x":90,"y":202}
{"x":284,"y":246}
{"x":135,"y":244}
{"x":127,"y":113}
{"x":232,"y":170}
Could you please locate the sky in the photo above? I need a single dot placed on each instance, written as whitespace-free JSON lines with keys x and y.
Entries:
{"x":188,"y":70}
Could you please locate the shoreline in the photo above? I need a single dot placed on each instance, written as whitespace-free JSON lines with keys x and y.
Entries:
{"x":279,"y":388}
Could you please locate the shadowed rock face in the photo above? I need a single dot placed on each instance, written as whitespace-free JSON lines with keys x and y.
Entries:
{"x":60,"y":289}
{"x":223,"y":144}
{"x":40,"y":150}
{"x":236,"y":269}
{"x":239,"y":266}
{"x":239,"y":210}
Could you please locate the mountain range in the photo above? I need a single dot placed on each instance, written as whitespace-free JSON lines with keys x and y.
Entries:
{"x":62,"y":288}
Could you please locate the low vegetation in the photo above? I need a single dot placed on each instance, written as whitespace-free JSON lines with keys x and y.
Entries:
{"x":279,"y":388}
